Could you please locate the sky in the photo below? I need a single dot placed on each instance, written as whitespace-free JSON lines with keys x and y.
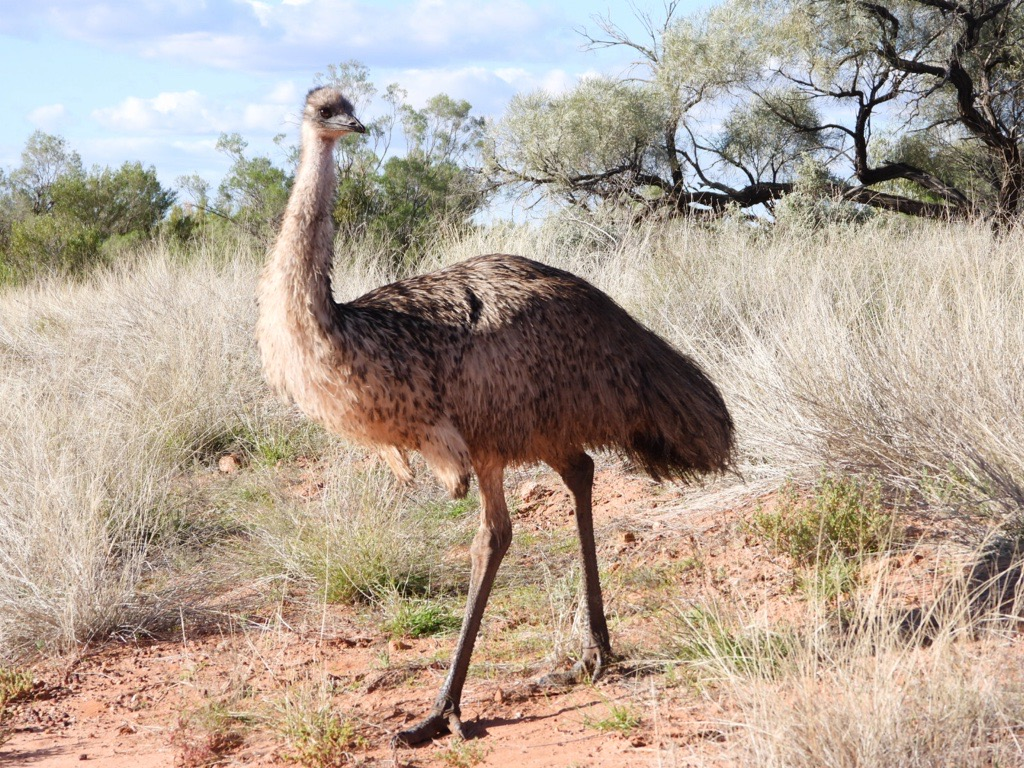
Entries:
{"x":159,"y":80}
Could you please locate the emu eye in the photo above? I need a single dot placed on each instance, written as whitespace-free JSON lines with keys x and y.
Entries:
{"x":324,"y":112}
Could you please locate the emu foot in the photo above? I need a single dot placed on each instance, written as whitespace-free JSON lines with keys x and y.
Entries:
{"x":587,"y":669}
{"x":436,"y":724}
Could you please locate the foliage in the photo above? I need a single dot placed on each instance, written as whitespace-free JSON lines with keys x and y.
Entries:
{"x":464,"y":754}
{"x":398,"y":202}
{"x":593,"y":141}
{"x":254,"y":191}
{"x":796,"y":81}
{"x":57,"y":217}
{"x":49,"y":243}
{"x":421,"y":619}
{"x":317,"y":736}
{"x":45,"y":160}
{"x":840,"y":518}
{"x":402,"y":202}
{"x":15,"y":685}
{"x":943,"y":74}
{"x":635,"y":139}
{"x":758,"y":140}
{"x":114,"y":202}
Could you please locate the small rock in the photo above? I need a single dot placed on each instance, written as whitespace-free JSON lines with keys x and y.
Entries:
{"x":229,"y":463}
{"x":628,"y":537}
{"x":83,"y":756}
{"x":531,"y":491}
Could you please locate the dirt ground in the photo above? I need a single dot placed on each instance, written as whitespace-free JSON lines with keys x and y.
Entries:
{"x":218,"y":692}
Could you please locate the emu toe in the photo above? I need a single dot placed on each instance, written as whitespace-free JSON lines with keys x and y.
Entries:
{"x":587,"y":669}
{"x":434,"y":725}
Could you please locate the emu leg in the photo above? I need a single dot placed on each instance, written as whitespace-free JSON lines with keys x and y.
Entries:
{"x":578,"y":475}
{"x":489,"y":546}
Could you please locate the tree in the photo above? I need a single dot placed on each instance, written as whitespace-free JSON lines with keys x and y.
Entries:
{"x":640,"y":138}
{"x":251,"y":197}
{"x":911,"y":106}
{"x":128,"y":200}
{"x":971,"y":57}
{"x":942,"y":79}
{"x":596,"y":142}
{"x":431,"y":186}
{"x":254,"y":192}
{"x":55,"y":216}
{"x":45,"y":160}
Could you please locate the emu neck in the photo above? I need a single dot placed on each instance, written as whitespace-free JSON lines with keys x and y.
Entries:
{"x":305,"y":248}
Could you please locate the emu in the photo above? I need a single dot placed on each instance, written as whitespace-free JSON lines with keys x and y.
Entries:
{"x":493,"y":362}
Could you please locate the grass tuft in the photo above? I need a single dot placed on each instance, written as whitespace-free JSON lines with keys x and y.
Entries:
{"x":710,"y":645}
{"x":463,"y":754}
{"x":317,"y":736}
{"x":841,"y":518}
{"x":421,"y":619}
{"x":15,"y":685}
{"x":621,"y":719}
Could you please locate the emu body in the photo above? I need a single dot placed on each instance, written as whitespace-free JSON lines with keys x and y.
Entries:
{"x":496,"y":361}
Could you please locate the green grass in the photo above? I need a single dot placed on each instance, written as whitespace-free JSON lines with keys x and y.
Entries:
{"x":830,"y":579}
{"x":260,"y":441}
{"x":363,"y":538}
{"x":15,"y":684}
{"x":621,"y":719}
{"x":421,"y":619}
{"x":840,"y":517}
{"x":369,"y":573}
{"x":452,"y":509}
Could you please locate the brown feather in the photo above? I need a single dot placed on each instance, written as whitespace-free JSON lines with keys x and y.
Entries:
{"x":497,"y":360}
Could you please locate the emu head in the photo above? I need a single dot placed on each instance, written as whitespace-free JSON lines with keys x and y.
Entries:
{"x":330,"y":113}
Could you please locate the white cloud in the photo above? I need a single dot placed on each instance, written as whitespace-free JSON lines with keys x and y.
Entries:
{"x":553,"y":81}
{"x":261,"y":35}
{"x":222,"y":51}
{"x":182,"y":112}
{"x":48,"y":118}
{"x":487,"y":89}
{"x":481,"y":87}
{"x":196,"y":146}
{"x":285,"y":92}
{"x":191,"y":113}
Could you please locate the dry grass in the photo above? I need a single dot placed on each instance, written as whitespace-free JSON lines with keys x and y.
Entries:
{"x":887,"y":687}
{"x":109,"y":389}
{"x":364,"y":537}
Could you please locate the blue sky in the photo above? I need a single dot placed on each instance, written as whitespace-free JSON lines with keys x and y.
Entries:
{"x":160,"y":80}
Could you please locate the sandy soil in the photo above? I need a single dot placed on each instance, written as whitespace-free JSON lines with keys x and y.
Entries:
{"x":154,"y":703}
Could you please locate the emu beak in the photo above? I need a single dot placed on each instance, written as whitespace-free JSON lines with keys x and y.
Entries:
{"x":344,"y":124}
